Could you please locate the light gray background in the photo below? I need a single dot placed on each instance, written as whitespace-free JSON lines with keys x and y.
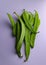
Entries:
{"x":7,"y":42}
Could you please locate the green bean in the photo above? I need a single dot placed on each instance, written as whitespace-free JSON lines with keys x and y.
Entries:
{"x":19,"y":44}
{"x":35,"y":28}
{"x":13,"y":24}
{"x":31,"y":19}
{"x":28,"y":18}
{"x":27,"y":43}
{"x":18,"y":33}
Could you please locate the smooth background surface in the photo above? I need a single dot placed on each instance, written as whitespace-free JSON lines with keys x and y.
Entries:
{"x":7,"y":42}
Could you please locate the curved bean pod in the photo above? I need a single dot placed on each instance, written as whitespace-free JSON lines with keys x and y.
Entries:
{"x":27,"y":44}
{"x":35,"y":28}
{"x":13,"y":24}
{"x":28,"y":18}
{"x":19,"y":44}
{"x":18,"y":33}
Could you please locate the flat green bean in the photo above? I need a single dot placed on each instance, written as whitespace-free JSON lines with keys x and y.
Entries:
{"x":28,"y":20}
{"x":18,"y":33}
{"x":13,"y":24}
{"x":35,"y":28}
{"x":27,"y":43}
{"x":19,"y":44}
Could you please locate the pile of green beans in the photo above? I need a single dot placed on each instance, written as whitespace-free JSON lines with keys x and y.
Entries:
{"x":25,"y":30}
